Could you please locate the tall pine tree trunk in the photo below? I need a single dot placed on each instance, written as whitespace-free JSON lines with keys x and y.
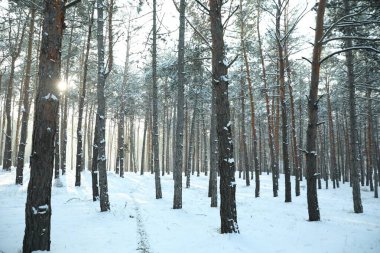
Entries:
{"x":252,"y":107}
{"x":38,"y":208}
{"x":244,"y":135}
{"x":144,"y":145}
{"x":371,"y":145}
{"x":191,"y":143}
{"x":15,"y":53}
{"x":26,"y":107}
{"x":80,"y":148}
{"x":178,"y":158}
{"x":355,"y":172}
{"x":214,"y":154}
{"x":273,"y":160}
{"x":7,"y":158}
{"x":334,"y":167}
{"x":311,"y":147}
{"x":63,"y":132}
{"x":228,"y":215}
{"x":155,"y":136}
{"x":296,"y":167}
{"x":101,"y":115}
{"x":284,"y":117}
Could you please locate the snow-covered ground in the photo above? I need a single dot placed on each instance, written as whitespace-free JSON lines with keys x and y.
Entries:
{"x":138,"y":222}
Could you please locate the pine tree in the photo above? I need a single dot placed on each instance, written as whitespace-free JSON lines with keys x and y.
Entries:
{"x":38,"y":208}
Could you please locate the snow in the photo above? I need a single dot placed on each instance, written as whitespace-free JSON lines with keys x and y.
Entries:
{"x":40,"y":210}
{"x":229,"y":160}
{"x":225,"y":62}
{"x":224,"y":78}
{"x":50,"y":96}
{"x":138,"y":222}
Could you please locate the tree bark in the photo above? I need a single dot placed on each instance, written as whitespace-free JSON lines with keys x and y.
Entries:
{"x":311,"y":155}
{"x":56,"y":151}
{"x":26,"y":107}
{"x":15,"y":53}
{"x":205,"y":157}
{"x":301,"y":160}
{"x":143,"y":144}
{"x":214,"y":154}
{"x":38,"y":208}
{"x":284,"y":117}
{"x":18,"y":120}
{"x":296,"y":166}
{"x":371,"y":144}
{"x":244,"y":135}
{"x":355,"y":172}
{"x":63,"y":132}
{"x":273,"y":161}
{"x":101,"y":115}
{"x":167,"y":152}
{"x":191,"y":143}
{"x":155,"y":138}
{"x":228,"y":213}
{"x":80,"y":148}
{"x":252,"y":107}
{"x":7,"y":157}
{"x":334,"y":167}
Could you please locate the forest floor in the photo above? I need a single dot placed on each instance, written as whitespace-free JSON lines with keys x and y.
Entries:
{"x":138,"y":222}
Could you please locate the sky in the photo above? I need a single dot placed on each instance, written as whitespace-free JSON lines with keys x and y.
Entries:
{"x":168,"y":22}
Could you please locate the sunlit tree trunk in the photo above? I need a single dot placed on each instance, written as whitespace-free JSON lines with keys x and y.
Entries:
{"x":38,"y":208}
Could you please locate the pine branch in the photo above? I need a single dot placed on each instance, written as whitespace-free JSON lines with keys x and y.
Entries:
{"x":71,"y":4}
{"x":194,"y":28}
{"x":350,"y":49}
{"x":203,"y":6}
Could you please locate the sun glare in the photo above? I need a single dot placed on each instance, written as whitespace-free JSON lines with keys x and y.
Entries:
{"x":62,"y":86}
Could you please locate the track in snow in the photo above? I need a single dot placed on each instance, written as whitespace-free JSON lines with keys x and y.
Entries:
{"x":143,"y":243}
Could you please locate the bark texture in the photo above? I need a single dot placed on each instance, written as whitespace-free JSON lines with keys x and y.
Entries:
{"x":311,"y":138}
{"x":228,"y":214}
{"x":101,"y":115}
{"x":38,"y":208}
{"x":177,"y":170}
{"x":355,"y":166}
